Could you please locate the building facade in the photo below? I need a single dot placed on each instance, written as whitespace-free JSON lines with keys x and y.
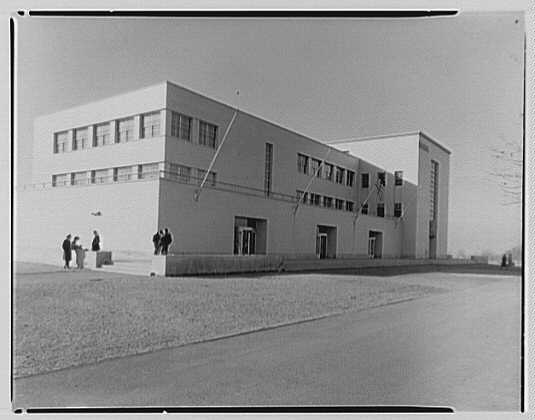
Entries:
{"x":132,"y":164}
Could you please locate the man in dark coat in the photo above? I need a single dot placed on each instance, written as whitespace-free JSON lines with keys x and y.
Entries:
{"x":67,"y":254}
{"x":95,"y":245}
{"x":504,"y":261}
{"x":166,"y":240}
{"x":156,"y":240}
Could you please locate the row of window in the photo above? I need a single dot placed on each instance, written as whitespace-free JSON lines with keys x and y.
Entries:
{"x":314,"y":199}
{"x":150,"y":126}
{"x":380,"y":211}
{"x":311,"y":166}
{"x":381,"y":179}
{"x":126,"y":173}
{"x":329,"y":202}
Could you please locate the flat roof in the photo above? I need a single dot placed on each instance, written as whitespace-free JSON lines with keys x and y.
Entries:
{"x":384,"y":136}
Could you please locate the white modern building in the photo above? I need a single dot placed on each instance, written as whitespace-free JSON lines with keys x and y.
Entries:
{"x":132,"y":164}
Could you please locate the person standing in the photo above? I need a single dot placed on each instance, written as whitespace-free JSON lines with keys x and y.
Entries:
{"x":156,"y":240}
{"x":504,"y":261}
{"x":167,"y":239}
{"x":79,"y":251}
{"x":95,"y":245}
{"x":67,"y":253}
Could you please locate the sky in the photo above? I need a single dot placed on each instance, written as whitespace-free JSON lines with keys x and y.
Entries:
{"x":458,"y":79}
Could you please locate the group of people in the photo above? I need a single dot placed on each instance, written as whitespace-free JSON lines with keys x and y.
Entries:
{"x":75,"y":246}
{"x":162,"y":241}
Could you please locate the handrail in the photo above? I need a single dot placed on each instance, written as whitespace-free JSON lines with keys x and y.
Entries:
{"x":188,"y":180}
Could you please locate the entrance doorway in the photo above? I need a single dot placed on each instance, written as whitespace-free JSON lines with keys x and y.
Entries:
{"x":432,"y":239}
{"x":326,"y":241}
{"x":375,"y":244}
{"x":321,"y":245}
{"x":249,"y":236}
{"x":247,"y":240}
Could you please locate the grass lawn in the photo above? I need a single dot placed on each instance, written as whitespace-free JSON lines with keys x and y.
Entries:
{"x":64,"y":319}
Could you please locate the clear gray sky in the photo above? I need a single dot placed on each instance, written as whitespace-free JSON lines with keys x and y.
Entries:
{"x":459,"y":79}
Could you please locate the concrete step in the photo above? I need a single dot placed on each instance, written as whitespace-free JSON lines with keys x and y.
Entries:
{"x":140,"y":268}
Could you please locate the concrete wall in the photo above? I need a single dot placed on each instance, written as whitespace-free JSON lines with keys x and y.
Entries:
{"x":390,"y":154}
{"x":429,"y":150}
{"x":207,"y":226}
{"x":46,"y":163}
{"x":44,"y":217}
{"x":133,"y":211}
{"x":242,"y":158}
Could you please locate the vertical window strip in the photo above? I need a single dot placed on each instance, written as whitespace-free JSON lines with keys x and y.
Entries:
{"x":268,"y":170}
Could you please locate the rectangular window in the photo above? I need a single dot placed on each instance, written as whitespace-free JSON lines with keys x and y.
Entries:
{"x":340,"y":172}
{"x":380,"y":209}
{"x":302,"y":164}
{"x":398,"y":210}
{"x":433,"y":204}
{"x":124,"y":173}
{"x":184,"y":173}
{"x":364,"y":209}
{"x":210,"y":180}
{"x":350,"y":206}
{"x":180,"y":126}
{"x":150,"y":125}
{"x":99,"y":176}
{"x":125,"y":130}
{"x":80,"y":140}
{"x":60,"y":142}
{"x":350,"y":178}
{"x":102,"y":135}
{"x":339,"y":204}
{"x":315,"y":167}
{"x":300,"y":198}
{"x":79,"y":178}
{"x":327,"y":202}
{"x":381,"y":177}
{"x":328,"y":171}
{"x":207,"y":134}
{"x":398,"y":178}
{"x":365,"y":180}
{"x":180,"y":173}
{"x":59,"y":180}
{"x":268,"y":168}
{"x":148,"y":171}
{"x":315,"y":199}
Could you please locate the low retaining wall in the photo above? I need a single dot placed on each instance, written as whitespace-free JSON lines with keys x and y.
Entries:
{"x":178,"y":265}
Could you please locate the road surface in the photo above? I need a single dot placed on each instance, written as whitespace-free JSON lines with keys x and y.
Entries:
{"x":458,"y":349}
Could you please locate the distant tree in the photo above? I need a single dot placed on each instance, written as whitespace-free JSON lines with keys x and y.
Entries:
{"x":516,"y":251}
{"x":508,"y":171}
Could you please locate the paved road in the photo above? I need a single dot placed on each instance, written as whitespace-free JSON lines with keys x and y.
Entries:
{"x":459,"y":349}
